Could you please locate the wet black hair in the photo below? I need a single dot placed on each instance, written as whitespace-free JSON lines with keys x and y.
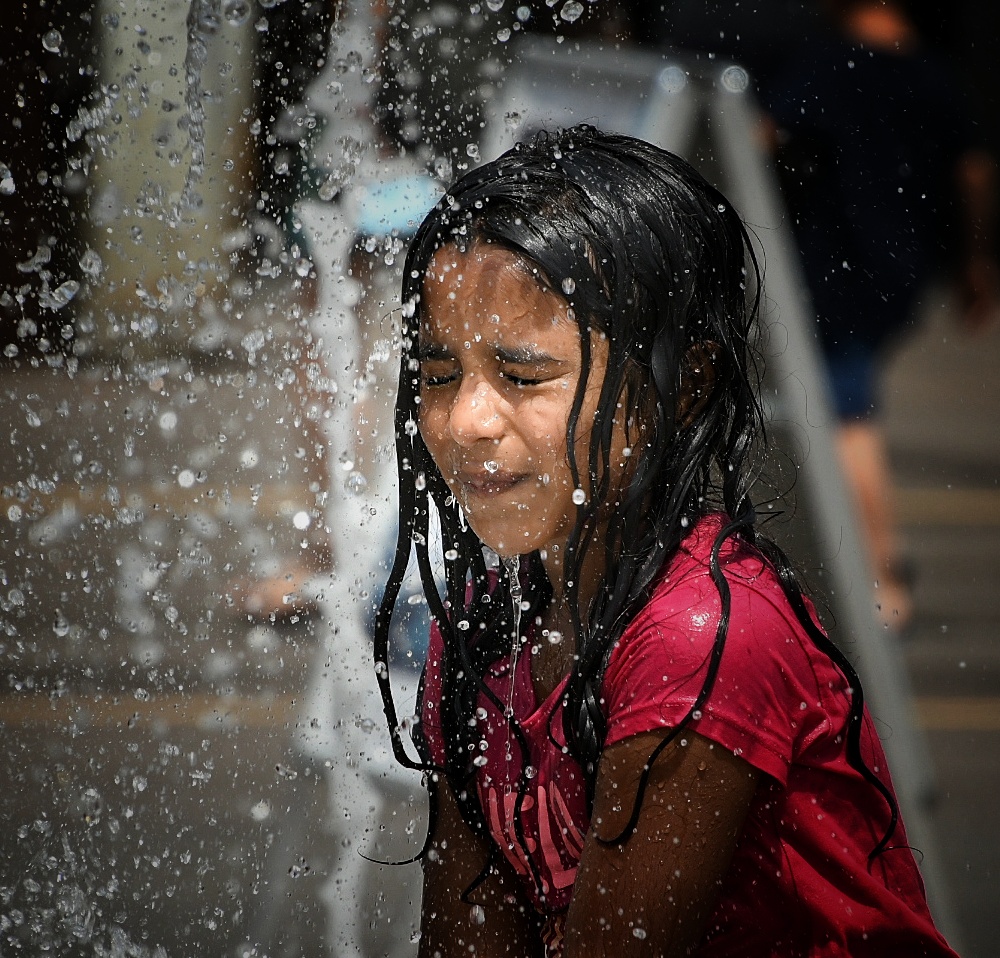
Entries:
{"x":652,"y":256}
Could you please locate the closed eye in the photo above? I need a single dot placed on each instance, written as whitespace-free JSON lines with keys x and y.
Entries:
{"x":524,"y":380}
{"x":430,"y":380}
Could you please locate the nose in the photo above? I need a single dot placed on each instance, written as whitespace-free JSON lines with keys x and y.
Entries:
{"x":475,"y":413}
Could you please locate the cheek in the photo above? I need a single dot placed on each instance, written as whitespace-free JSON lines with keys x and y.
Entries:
{"x":543,"y":422}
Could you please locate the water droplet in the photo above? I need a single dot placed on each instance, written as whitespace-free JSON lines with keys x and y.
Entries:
{"x":477,"y":915}
{"x":463,"y":625}
{"x":356,"y":483}
{"x":579,"y":497}
{"x":301,"y":520}
{"x":420,"y":482}
{"x":530,"y":771}
{"x":236,"y":12}
{"x":491,"y":466}
{"x":639,"y":933}
{"x":735,"y":79}
{"x":480,"y":760}
{"x":555,"y":637}
{"x":7,"y":186}
{"x":571,"y":11}
{"x":472,"y":150}
{"x":91,"y":264}
{"x":410,"y":428}
{"x":261,"y":810}
{"x":451,"y":555}
{"x":60,"y":625}
{"x":90,"y":805}
{"x":569,"y":286}
{"x":61,"y":295}
{"x":672,"y":79}
{"x":381,"y":669}
{"x":168,"y":421}
{"x":503,"y":35}
{"x":494,"y":5}
{"x":52,"y":41}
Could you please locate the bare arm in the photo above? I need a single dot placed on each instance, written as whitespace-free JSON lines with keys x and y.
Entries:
{"x":654,"y":894}
{"x":497,"y":920}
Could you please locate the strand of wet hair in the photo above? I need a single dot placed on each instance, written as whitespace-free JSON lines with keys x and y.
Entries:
{"x":410,"y":510}
{"x":855,"y":719}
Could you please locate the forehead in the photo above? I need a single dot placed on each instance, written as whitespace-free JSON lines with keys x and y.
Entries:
{"x":489,"y":287}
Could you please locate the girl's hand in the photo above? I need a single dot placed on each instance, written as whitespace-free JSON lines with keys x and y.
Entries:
{"x":654,"y":894}
{"x":496,"y":921}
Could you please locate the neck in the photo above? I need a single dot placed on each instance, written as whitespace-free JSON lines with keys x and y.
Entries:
{"x":590,"y":574}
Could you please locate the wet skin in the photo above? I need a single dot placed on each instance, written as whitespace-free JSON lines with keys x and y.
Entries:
{"x":500,"y":360}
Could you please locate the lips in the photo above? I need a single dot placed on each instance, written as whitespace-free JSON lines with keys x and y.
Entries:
{"x":486,"y":484}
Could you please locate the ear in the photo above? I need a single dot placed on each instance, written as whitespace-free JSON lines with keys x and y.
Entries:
{"x":697,"y":382}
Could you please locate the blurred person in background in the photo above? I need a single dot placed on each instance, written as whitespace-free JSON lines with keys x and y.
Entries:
{"x":883,"y":171}
{"x":888,"y":182}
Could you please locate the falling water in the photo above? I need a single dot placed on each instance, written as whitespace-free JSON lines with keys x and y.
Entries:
{"x":513,"y":566}
{"x":204,"y":19}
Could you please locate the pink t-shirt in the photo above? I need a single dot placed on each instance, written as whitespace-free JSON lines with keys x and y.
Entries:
{"x":799,"y":883}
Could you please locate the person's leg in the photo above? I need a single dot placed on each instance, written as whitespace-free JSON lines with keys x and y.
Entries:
{"x":864,"y":458}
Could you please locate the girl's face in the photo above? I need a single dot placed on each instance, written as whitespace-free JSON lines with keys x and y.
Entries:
{"x":500,"y":361}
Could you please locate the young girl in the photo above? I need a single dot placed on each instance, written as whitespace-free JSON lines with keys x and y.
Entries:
{"x":637,"y":738}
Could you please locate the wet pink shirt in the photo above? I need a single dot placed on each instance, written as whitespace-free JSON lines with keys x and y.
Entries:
{"x":799,"y":883}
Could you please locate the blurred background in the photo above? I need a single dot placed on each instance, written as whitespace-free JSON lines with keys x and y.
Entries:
{"x":204,"y":206}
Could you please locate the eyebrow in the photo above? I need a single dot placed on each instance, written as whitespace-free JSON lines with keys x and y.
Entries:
{"x":514,"y":355}
{"x":428,"y":352}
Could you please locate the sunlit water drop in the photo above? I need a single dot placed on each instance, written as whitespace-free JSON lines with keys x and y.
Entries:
{"x":60,"y":625}
{"x":571,"y":11}
{"x":91,"y":264}
{"x":53,"y":41}
{"x":356,"y":483}
{"x":7,"y":186}
{"x":60,"y":296}
{"x":236,"y":12}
